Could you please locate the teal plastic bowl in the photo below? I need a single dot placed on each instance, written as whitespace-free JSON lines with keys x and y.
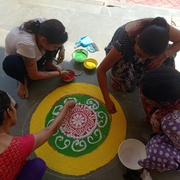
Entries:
{"x":80,"y":55}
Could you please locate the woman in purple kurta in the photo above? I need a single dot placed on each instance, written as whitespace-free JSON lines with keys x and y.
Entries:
{"x":160,"y":91}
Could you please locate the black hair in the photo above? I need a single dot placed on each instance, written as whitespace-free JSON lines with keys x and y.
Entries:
{"x":161,"y":84}
{"x":53,"y":30}
{"x":5,"y":103}
{"x":154,"y":39}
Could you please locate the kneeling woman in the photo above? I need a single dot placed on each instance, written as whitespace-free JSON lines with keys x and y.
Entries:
{"x":31,"y":48}
{"x":160,"y":93}
{"x":15,"y":149}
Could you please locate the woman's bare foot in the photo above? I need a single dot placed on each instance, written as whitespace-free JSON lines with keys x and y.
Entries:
{"x":23,"y":90}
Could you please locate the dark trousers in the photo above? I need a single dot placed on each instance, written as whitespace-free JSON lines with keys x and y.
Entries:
{"x":13,"y":65}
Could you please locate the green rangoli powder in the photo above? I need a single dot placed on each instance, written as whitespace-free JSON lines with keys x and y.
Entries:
{"x":85,"y":127}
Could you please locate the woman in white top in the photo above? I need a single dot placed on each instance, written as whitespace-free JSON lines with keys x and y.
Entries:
{"x":31,"y":48}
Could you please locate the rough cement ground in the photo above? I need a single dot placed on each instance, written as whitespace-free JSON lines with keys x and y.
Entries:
{"x":98,"y":20}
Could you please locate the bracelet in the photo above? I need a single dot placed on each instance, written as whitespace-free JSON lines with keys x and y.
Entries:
{"x":165,"y":55}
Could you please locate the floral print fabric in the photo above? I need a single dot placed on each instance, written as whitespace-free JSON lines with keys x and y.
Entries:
{"x":126,"y":73}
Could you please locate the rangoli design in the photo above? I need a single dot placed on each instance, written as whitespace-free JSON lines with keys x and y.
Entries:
{"x":89,"y":137}
{"x":85,"y":127}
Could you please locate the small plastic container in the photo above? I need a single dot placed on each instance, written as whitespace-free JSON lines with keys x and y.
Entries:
{"x":80,"y":55}
{"x":130,"y":152}
{"x":69,"y":76}
{"x":90,"y":63}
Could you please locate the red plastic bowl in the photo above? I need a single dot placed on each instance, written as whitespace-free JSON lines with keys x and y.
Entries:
{"x":69,"y":76}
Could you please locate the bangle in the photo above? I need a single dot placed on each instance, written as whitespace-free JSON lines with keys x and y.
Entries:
{"x":165,"y":55}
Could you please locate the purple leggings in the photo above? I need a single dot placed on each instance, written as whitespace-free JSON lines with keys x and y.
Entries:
{"x":33,"y":170}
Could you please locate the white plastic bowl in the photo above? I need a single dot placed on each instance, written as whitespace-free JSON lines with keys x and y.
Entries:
{"x":130,"y":152}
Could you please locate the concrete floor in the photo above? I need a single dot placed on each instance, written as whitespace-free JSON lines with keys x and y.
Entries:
{"x":98,"y":20}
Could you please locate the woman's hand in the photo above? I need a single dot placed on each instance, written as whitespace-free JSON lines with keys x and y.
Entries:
{"x":155,"y":129}
{"x":70,"y":104}
{"x":42,"y":136}
{"x":60,"y":69}
{"x":156,"y":62}
{"x":61,"y":55}
{"x":110,"y":106}
{"x":64,"y":73}
{"x":155,"y":126}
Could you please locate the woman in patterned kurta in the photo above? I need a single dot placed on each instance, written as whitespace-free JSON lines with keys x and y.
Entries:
{"x":160,"y":90}
{"x":135,"y":48}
